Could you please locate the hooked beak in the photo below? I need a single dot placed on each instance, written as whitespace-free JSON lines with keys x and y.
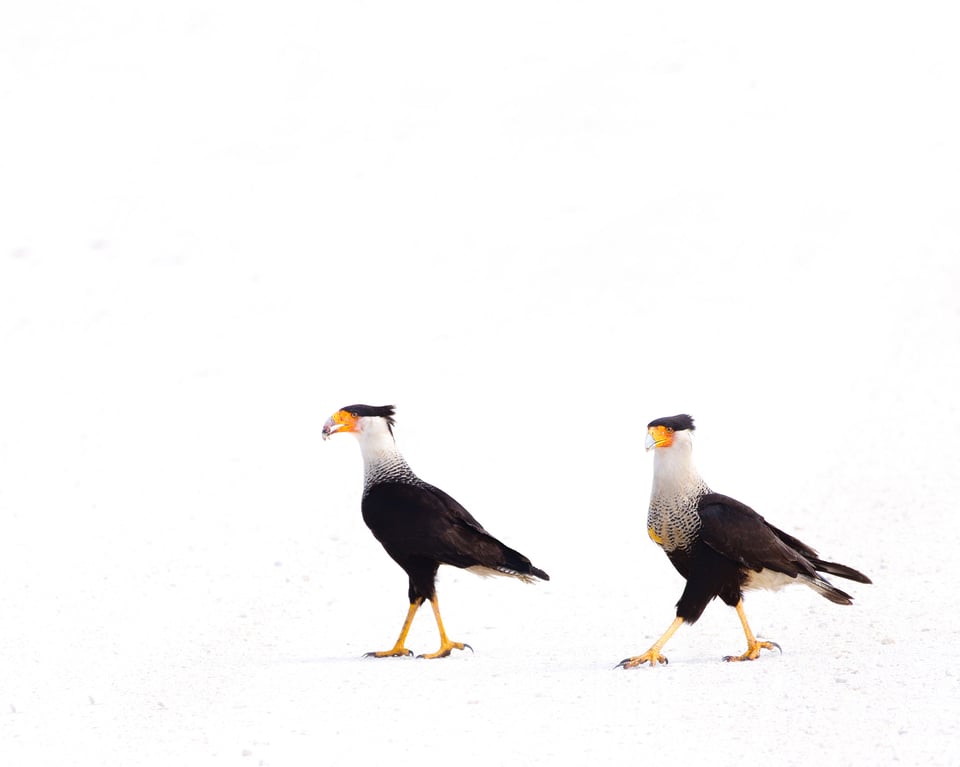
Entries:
{"x":339,"y":421}
{"x":330,"y":427}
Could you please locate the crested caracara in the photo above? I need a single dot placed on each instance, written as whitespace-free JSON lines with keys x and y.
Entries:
{"x":720,"y":546}
{"x":419,"y":525}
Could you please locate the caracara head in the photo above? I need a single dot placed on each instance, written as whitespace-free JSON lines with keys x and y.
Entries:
{"x":663,"y":432}
{"x":360,"y":420}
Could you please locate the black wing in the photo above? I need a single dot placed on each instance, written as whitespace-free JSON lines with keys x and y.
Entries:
{"x":423,"y":521}
{"x":737,"y":532}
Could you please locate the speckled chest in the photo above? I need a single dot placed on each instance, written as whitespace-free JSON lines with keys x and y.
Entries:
{"x":394,"y":469}
{"x":673,"y":522}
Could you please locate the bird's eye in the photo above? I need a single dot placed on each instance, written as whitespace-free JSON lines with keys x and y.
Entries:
{"x":669,"y":430}
{"x":355,"y":415}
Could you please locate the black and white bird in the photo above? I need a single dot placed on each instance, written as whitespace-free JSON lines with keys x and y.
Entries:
{"x":419,"y":525}
{"x":719,"y":545}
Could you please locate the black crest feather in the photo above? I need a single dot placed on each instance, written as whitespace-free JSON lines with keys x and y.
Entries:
{"x":364,"y":411}
{"x":682,"y":422}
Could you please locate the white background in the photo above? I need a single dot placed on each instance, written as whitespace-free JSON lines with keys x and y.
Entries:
{"x":533,"y":227}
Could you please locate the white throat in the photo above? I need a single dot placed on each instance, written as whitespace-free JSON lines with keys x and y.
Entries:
{"x":672,"y":518}
{"x":382,"y":461}
{"x":674,"y":473}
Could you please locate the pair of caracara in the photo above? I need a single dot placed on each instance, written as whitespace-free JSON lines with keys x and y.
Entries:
{"x":719,"y":545}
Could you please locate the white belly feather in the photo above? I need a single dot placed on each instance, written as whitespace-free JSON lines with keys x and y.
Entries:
{"x":768,"y":579}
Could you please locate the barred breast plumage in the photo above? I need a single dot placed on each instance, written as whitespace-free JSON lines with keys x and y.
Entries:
{"x":673,"y":520}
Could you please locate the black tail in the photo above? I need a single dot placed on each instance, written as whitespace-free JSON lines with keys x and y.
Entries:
{"x":823,"y":587}
{"x":824,"y":567}
{"x":476,"y":549}
{"x":826,"y":589}
{"x":841,"y":571}
{"x":512,"y":561}
{"x":539,"y":573}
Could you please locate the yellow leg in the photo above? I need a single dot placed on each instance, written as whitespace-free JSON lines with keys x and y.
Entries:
{"x":445,"y":644}
{"x":398,"y":648}
{"x":653,"y":655}
{"x":753,"y":646}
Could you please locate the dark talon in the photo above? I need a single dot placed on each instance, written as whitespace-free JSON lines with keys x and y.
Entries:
{"x":450,"y":650}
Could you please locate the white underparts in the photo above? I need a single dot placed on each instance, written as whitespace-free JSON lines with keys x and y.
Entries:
{"x":768,"y":579}
{"x":490,"y":572}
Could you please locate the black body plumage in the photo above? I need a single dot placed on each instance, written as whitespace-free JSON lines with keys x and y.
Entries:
{"x":732,"y":544}
{"x":421,"y":527}
{"x":720,"y":546}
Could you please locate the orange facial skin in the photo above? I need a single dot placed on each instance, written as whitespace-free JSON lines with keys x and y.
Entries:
{"x":341,"y":421}
{"x":659,"y":436}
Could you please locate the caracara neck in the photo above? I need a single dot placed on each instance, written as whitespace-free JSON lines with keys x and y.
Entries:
{"x":673,"y":518}
{"x":674,"y":473}
{"x":382,"y":461}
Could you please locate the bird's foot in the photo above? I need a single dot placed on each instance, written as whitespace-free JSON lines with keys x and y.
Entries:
{"x":445,"y":650}
{"x":651,"y":656}
{"x":753,"y":651}
{"x":398,"y":651}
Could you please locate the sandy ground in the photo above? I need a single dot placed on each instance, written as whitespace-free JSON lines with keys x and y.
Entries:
{"x":533,"y":229}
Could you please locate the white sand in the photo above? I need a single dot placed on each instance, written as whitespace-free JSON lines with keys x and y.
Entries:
{"x":533,"y":229}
